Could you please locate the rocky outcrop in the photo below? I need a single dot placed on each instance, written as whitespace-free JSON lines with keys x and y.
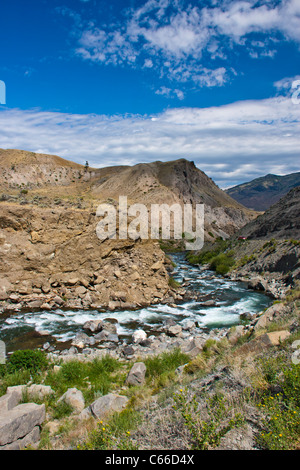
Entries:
{"x":53,"y":259}
{"x":280,"y":221}
{"x":271,"y":266}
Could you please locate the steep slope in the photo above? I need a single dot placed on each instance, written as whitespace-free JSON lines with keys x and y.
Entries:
{"x":172,"y":182}
{"x":260,"y":193}
{"x":47,"y":179}
{"x":280,"y":221}
{"x":52,"y":258}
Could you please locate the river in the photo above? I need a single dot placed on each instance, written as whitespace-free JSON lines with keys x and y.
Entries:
{"x":220,"y":304}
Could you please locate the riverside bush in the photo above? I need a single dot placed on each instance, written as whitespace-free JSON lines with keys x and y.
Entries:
{"x":33,"y":361}
{"x":218,"y":258}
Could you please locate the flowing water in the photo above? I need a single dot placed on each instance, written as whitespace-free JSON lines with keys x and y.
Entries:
{"x":225,"y":299}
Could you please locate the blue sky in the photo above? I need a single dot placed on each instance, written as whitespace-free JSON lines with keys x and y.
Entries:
{"x":123,"y":82}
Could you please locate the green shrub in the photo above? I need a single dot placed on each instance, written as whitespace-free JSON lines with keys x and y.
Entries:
{"x":114,"y":434}
{"x":61,"y":410}
{"x":222,"y":263}
{"x":218,"y":258}
{"x":98,"y":373}
{"x":31,"y":360}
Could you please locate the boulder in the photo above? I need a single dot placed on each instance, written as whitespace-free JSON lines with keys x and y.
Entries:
{"x":11,"y":399}
{"x":257,"y":283}
{"x":106,"y":405}
{"x":263,"y":342}
{"x":32,"y":438}
{"x":93,"y":325}
{"x":81,"y":340}
{"x":173,"y":330}
{"x":269,"y":315}
{"x":20,"y":421}
{"x":136,"y":376}
{"x":74,"y":398}
{"x":39,"y":391}
{"x":109,"y":326}
{"x":138,"y":336}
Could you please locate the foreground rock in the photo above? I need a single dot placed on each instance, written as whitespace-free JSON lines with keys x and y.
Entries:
{"x":74,"y":398}
{"x":20,"y":426}
{"x":263,"y":342}
{"x":104,"y":406}
{"x":136,"y":375}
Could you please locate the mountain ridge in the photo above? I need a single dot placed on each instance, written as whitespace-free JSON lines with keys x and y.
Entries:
{"x":178,"y":181}
{"x":261,"y":193}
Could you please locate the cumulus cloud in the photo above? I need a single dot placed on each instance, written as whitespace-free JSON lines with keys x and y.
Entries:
{"x":184,"y":38}
{"x":232,"y":143}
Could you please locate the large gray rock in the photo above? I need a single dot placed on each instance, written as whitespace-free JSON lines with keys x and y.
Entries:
{"x":29,"y":440}
{"x":269,"y":315}
{"x":20,"y":421}
{"x":81,"y":340}
{"x":10,"y":400}
{"x":93,"y":325}
{"x":136,"y":375}
{"x":74,"y":398}
{"x":106,"y":405}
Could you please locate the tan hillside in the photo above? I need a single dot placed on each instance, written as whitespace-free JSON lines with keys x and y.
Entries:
{"x":40,"y":178}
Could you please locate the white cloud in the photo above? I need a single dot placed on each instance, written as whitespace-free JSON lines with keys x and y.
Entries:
{"x":179,"y":35}
{"x":232,"y":143}
{"x":169,"y":93}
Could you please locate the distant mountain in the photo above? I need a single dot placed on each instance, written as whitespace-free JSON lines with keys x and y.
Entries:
{"x":261,"y":193}
{"x":280,"y":221}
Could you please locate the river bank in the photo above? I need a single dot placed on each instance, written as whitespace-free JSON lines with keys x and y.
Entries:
{"x":208,"y":305}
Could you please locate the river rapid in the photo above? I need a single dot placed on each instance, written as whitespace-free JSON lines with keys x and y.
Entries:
{"x":220,"y":302}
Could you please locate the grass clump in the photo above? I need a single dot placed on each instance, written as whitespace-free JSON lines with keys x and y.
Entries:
{"x":208,"y":424}
{"x":282,"y":409}
{"x":161,"y":369}
{"x":114,"y":434}
{"x":173,"y":283}
{"x":94,"y":378}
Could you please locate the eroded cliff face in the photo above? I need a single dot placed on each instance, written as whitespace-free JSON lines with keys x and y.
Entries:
{"x":53,"y":257}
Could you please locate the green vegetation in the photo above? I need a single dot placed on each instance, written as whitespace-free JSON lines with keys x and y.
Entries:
{"x":27,"y":359}
{"x":220,"y":418}
{"x":220,"y":390}
{"x":281,"y":404}
{"x":93,"y":378}
{"x":219,"y":258}
{"x":173,"y":283}
{"x":115,"y":434}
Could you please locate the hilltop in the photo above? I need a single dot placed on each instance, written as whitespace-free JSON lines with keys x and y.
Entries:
{"x":260,"y":193}
{"x":48,"y":179}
